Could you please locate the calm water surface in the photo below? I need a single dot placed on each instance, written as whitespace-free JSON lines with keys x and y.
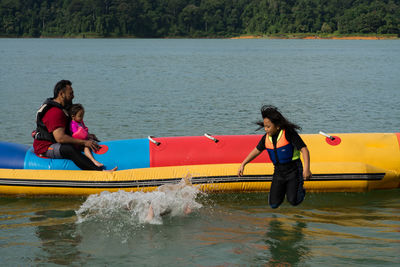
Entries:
{"x":135,"y":88}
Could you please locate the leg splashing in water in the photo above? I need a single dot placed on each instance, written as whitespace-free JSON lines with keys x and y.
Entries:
{"x":140,"y":207}
{"x":179,"y":200}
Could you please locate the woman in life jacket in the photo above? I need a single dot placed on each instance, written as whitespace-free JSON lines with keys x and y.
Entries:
{"x":284,"y":146}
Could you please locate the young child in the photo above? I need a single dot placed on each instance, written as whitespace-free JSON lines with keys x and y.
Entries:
{"x":283,"y":145}
{"x":80,"y":131}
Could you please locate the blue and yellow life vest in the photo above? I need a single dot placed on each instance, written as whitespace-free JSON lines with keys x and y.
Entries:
{"x":284,"y":151}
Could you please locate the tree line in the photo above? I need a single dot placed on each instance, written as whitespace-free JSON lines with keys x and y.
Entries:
{"x":196,"y":18}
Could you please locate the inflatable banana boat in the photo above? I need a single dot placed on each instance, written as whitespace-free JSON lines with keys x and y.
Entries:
{"x":339,"y":163}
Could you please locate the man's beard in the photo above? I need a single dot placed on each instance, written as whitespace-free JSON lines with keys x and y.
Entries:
{"x":67,"y":104}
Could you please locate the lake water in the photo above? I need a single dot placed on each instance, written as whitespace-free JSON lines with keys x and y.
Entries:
{"x":132,"y":88}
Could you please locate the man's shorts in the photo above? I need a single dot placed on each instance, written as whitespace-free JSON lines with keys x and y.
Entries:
{"x":53,"y":151}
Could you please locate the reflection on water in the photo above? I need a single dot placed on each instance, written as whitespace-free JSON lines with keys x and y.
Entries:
{"x":56,"y":234}
{"x":38,"y":230}
{"x":56,"y":239}
{"x":230,"y":229}
{"x":286,"y":246}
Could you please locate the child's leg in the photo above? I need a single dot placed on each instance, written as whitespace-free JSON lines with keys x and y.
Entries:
{"x":150,"y":214}
{"x":277,"y":191}
{"x":187,"y":210}
{"x":295,"y":192}
{"x":88,"y":154}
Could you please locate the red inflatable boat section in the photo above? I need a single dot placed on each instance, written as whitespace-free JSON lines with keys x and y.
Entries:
{"x":197,"y":150}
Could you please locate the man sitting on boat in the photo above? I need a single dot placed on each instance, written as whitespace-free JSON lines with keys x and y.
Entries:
{"x":52,"y":137}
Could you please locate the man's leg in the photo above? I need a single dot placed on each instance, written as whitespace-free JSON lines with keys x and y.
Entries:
{"x":68,"y":151}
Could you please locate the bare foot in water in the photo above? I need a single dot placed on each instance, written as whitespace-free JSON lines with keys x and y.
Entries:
{"x":114,"y":169}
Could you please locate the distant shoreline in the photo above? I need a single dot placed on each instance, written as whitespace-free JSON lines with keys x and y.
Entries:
{"x":322,"y":37}
{"x":303,"y":36}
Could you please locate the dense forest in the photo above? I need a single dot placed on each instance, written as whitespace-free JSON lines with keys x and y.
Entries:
{"x":195,"y":18}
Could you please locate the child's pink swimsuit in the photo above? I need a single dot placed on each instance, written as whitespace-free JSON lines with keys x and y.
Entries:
{"x":79,"y":130}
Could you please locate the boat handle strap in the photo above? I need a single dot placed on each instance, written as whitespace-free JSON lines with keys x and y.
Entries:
{"x":327,"y":135}
{"x":153,"y":141}
{"x":211,"y":137}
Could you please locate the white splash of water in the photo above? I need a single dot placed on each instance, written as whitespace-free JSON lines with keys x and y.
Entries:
{"x":139,"y":207}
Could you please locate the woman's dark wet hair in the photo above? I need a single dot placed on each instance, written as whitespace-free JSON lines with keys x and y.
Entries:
{"x":60,"y":86}
{"x":274,"y":115}
{"x":75,"y":108}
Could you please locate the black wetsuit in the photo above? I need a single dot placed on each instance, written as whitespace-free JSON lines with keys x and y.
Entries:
{"x":288,"y":177}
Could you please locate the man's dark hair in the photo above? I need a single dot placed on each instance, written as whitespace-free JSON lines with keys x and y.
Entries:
{"x":60,"y":86}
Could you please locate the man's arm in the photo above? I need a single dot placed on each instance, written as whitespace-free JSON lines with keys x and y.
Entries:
{"x":61,"y":137}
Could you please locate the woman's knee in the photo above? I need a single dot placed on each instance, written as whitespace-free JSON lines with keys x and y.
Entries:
{"x":296,"y":199}
{"x":274,"y":202}
{"x":274,"y":206}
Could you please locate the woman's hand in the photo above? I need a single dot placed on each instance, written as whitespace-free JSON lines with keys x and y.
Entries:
{"x":307,"y":174}
{"x":241,"y":170}
{"x":306,"y":163}
{"x":252,"y":155}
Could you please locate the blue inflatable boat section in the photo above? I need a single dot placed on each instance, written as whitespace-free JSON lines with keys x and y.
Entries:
{"x":125,"y":154}
{"x":12,"y":155}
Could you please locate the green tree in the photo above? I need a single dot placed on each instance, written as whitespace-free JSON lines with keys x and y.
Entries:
{"x":163,"y":18}
{"x":190,"y":19}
